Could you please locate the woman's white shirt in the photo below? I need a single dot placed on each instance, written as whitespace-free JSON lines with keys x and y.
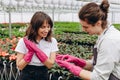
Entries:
{"x":108,"y":58}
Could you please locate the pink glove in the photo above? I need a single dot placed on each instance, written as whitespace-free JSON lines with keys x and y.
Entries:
{"x":28,"y":56}
{"x":59,"y":56}
{"x":39,"y":53}
{"x":71,"y":67}
{"x":72,"y":59}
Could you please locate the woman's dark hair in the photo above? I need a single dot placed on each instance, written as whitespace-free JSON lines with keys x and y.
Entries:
{"x":93,"y":12}
{"x":37,"y":22}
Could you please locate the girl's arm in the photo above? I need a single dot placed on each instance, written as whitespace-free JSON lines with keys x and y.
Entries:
{"x":20,"y":62}
{"x":50,"y":61}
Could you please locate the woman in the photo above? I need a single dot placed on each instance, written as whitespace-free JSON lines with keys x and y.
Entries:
{"x":37,"y":50}
{"x":106,"y":61}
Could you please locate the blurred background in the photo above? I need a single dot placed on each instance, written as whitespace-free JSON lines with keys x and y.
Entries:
{"x":59,"y":10}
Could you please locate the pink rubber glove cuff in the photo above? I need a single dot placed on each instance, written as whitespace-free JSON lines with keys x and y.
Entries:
{"x":75,"y":70}
{"x":28,"y":57}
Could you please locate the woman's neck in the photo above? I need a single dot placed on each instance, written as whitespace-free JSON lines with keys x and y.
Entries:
{"x":102,"y":31}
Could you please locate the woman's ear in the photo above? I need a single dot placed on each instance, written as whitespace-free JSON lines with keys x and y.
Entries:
{"x":99,"y":23}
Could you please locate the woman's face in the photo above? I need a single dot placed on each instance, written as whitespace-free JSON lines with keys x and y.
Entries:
{"x":90,"y":29}
{"x":43,"y":30}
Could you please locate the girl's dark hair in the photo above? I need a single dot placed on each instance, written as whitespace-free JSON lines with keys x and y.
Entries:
{"x":93,"y":12}
{"x":37,"y":22}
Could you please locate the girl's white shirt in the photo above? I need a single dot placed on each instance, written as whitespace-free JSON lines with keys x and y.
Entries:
{"x":45,"y":46}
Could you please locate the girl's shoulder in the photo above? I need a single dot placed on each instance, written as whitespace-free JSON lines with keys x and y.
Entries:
{"x":53,"y":39}
{"x":20,"y":40}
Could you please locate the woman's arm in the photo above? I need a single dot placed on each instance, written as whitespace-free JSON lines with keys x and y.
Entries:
{"x":85,"y":74}
{"x":88,"y":66}
{"x":76,"y":70}
{"x":50,"y":61}
{"x":20,"y":62}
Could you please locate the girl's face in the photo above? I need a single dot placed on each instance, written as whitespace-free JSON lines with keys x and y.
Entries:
{"x":43,"y":30}
{"x":90,"y":29}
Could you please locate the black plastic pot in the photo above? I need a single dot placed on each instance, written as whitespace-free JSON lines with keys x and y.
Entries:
{"x":57,"y":76}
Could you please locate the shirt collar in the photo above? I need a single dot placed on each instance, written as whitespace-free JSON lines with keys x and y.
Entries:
{"x":105,"y":30}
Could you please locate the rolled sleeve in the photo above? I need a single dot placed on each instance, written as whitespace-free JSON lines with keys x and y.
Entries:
{"x":54,"y":46}
{"x":21,"y":48}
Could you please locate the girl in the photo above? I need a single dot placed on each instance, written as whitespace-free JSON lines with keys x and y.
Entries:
{"x":37,"y":50}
